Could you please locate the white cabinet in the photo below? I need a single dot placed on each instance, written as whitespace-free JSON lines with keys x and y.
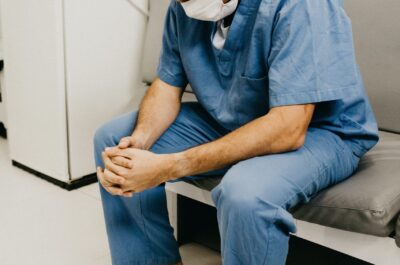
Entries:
{"x":2,"y":107}
{"x":70,"y":65}
{"x":3,"y":121}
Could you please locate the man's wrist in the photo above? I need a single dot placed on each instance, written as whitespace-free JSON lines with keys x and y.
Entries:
{"x":141,"y":140}
{"x":178,"y":165}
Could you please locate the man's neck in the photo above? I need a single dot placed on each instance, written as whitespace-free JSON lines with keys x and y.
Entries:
{"x":228,"y":20}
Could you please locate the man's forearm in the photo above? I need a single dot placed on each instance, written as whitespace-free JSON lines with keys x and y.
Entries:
{"x":273,"y":133}
{"x":157,"y":111}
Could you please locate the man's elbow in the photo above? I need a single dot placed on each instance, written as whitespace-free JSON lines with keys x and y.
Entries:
{"x":294,"y":122}
{"x":298,"y":141}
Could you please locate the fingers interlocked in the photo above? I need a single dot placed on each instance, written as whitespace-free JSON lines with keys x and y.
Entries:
{"x":108,"y":186}
{"x":113,"y":176}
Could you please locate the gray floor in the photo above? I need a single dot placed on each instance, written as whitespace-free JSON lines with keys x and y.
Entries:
{"x":43,"y":224}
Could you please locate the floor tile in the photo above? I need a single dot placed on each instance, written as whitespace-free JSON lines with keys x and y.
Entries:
{"x":53,"y":228}
{"x":41,"y":223}
{"x":194,"y":254}
{"x":91,"y":190}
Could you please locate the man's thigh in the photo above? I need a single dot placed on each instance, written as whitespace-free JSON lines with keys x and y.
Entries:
{"x":290,"y":178}
{"x":193,"y":126}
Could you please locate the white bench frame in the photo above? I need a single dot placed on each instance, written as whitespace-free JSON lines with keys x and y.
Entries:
{"x":373,"y":249}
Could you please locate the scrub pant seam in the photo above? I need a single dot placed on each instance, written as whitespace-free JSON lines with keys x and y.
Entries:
{"x":320,"y":174}
{"x":151,"y":261}
{"x":222,"y":240}
{"x":269,"y":238}
{"x":144,"y":224}
{"x":324,"y":168}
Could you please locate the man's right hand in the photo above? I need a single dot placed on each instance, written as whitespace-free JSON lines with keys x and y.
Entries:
{"x":131,"y":141}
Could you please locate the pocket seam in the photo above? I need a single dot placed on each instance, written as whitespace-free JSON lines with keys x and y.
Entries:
{"x":242,"y":76}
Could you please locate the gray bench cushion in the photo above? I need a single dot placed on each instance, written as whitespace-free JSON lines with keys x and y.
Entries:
{"x":368,"y":202}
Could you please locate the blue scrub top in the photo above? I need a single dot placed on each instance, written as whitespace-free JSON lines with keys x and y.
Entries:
{"x":277,"y":52}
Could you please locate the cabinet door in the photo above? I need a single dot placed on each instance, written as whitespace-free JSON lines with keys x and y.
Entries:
{"x":34,"y":85}
{"x":2,"y":106}
{"x":104,"y":40}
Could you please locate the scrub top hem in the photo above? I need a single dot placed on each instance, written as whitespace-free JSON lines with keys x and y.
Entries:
{"x":170,"y":79}
{"x":310,"y":97}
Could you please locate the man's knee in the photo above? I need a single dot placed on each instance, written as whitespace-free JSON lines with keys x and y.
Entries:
{"x":242,"y":197}
{"x":103,"y":136}
{"x":112,"y":131}
{"x":235,"y":193}
{"x":241,"y":200}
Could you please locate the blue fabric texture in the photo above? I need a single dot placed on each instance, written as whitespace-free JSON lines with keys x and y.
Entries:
{"x":252,"y":200}
{"x":277,"y":52}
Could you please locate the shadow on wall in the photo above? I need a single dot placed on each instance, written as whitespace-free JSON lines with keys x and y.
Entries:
{"x":3,"y":131}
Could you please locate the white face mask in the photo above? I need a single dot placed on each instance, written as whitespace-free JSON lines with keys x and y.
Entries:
{"x":209,"y":10}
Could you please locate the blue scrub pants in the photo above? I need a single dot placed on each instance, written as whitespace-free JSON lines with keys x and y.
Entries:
{"x":252,"y":199}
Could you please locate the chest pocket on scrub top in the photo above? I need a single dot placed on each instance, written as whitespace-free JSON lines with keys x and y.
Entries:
{"x":252,"y":98}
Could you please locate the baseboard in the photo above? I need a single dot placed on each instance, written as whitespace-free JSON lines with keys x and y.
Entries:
{"x":75,"y":184}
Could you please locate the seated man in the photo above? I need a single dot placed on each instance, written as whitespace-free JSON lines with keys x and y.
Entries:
{"x":281,"y":114}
